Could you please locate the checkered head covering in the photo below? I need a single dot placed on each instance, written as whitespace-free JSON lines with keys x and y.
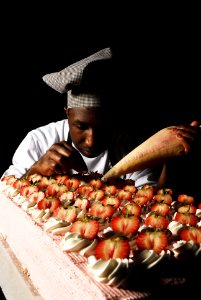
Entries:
{"x":85,"y":81}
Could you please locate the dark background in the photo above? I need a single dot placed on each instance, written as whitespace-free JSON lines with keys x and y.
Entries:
{"x":157,"y":54}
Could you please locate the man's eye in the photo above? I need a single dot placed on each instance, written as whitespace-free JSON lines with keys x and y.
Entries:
{"x":81,"y":127}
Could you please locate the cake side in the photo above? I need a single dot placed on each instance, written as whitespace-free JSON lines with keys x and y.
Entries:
{"x":54,"y":274}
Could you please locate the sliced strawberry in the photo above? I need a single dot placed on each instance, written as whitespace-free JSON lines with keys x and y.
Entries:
{"x":62,"y":179}
{"x":96,"y":183}
{"x":164,"y":198}
{"x":111,"y":200}
{"x":183,"y":198}
{"x":131,"y":209}
{"x":10,"y":179}
{"x":55,"y":189}
{"x":82,"y":203}
{"x":124,"y":194}
{"x":157,"y":221}
{"x":36,"y":196}
{"x":28,"y":190}
{"x":199,"y":205}
{"x":129,"y":186}
{"x":72,"y":183}
{"x":68,"y":214}
{"x":34,"y":178}
{"x":186,"y":218}
{"x":191,"y":234}
{"x":86,"y":227}
{"x":85,"y":189}
{"x":109,"y":189}
{"x":99,"y":210}
{"x":97,"y":194}
{"x":125,"y":224}
{"x":188,"y":208}
{"x":161,"y":208}
{"x":67,"y":197}
{"x":140,"y":200}
{"x":50,"y":202}
{"x":156,"y":240}
{"x":146,"y":190}
{"x":113,"y":248}
{"x":17,"y":184}
{"x":165,"y":191}
{"x":45,"y":181}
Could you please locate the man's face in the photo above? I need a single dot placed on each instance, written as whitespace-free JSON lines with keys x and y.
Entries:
{"x":89,"y":130}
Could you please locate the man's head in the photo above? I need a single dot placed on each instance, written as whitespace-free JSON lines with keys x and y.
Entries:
{"x":88,"y":84}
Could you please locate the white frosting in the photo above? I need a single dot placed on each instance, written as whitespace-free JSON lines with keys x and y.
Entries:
{"x":73,"y":241}
{"x":53,"y":223}
{"x":175,"y":227}
{"x":182,"y":247}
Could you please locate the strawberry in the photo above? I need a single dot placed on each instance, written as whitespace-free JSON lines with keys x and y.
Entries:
{"x":191,"y":233}
{"x":156,"y":240}
{"x":55,"y":189}
{"x":85,"y":189}
{"x":10,"y":179}
{"x":129,"y":186}
{"x":111,"y":200}
{"x":146,"y":190}
{"x":86,"y":227}
{"x":140,"y":200}
{"x":165,"y":191}
{"x":34,"y":178}
{"x":199,"y":205}
{"x":125,"y":224}
{"x":99,"y":210}
{"x":161,"y":208}
{"x":82,"y":203}
{"x":157,"y":221}
{"x":21,"y":182}
{"x":27,"y":190}
{"x":62,"y":179}
{"x":188,"y":208}
{"x":113,"y":248}
{"x":96,"y":195}
{"x":165,"y":198}
{"x":67,"y":197}
{"x":124,"y":194}
{"x":131,"y":209}
{"x":68,"y":214}
{"x":186,"y":218}
{"x":183,"y":198}
{"x":72,"y":183}
{"x":96,"y":183}
{"x":50,"y":202}
{"x":45,"y":181}
{"x":36,"y":196}
{"x":109,"y":189}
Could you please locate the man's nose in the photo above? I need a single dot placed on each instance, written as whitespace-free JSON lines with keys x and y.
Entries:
{"x":89,"y":138}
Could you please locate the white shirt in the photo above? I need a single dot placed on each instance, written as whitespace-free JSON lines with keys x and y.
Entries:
{"x":39,"y":140}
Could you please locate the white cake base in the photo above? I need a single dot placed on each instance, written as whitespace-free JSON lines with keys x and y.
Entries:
{"x":49,"y":273}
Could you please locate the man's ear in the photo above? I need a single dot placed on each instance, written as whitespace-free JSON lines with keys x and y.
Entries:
{"x":66,"y":111}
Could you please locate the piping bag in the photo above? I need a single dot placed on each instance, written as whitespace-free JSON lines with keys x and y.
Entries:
{"x":166,"y":143}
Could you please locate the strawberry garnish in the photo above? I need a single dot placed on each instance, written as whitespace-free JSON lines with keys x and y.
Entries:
{"x":131,"y":209}
{"x":113,"y":248}
{"x":124,"y":194}
{"x":99,"y":210}
{"x":82,"y":203}
{"x":72,"y":183}
{"x":62,"y":179}
{"x":186,"y":218}
{"x":156,"y":240}
{"x":21,"y":182}
{"x":125,"y":224}
{"x":111,"y":200}
{"x":191,"y":234}
{"x":109,"y":189}
{"x":147,"y":191}
{"x":28,"y":190}
{"x":86,"y":227}
{"x":161,"y":208}
{"x":183,"y":198}
{"x":157,"y":221}
{"x":50,"y":202}
{"x":188,"y":208}
{"x":96,"y":183}
{"x":55,"y":189}
{"x":85,"y":189}
{"x":68,"y":214}
{"x":96,"y":195}
{"x":140,"y":200}
{"x":164,"y":198}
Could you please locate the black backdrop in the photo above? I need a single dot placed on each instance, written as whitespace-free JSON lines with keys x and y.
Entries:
{"x":158,"y":68}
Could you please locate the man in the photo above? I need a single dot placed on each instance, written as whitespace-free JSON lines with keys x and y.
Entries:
{"x":89,"y":139}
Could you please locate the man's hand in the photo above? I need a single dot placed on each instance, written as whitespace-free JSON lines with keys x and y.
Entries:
{"x":59,"y":159}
